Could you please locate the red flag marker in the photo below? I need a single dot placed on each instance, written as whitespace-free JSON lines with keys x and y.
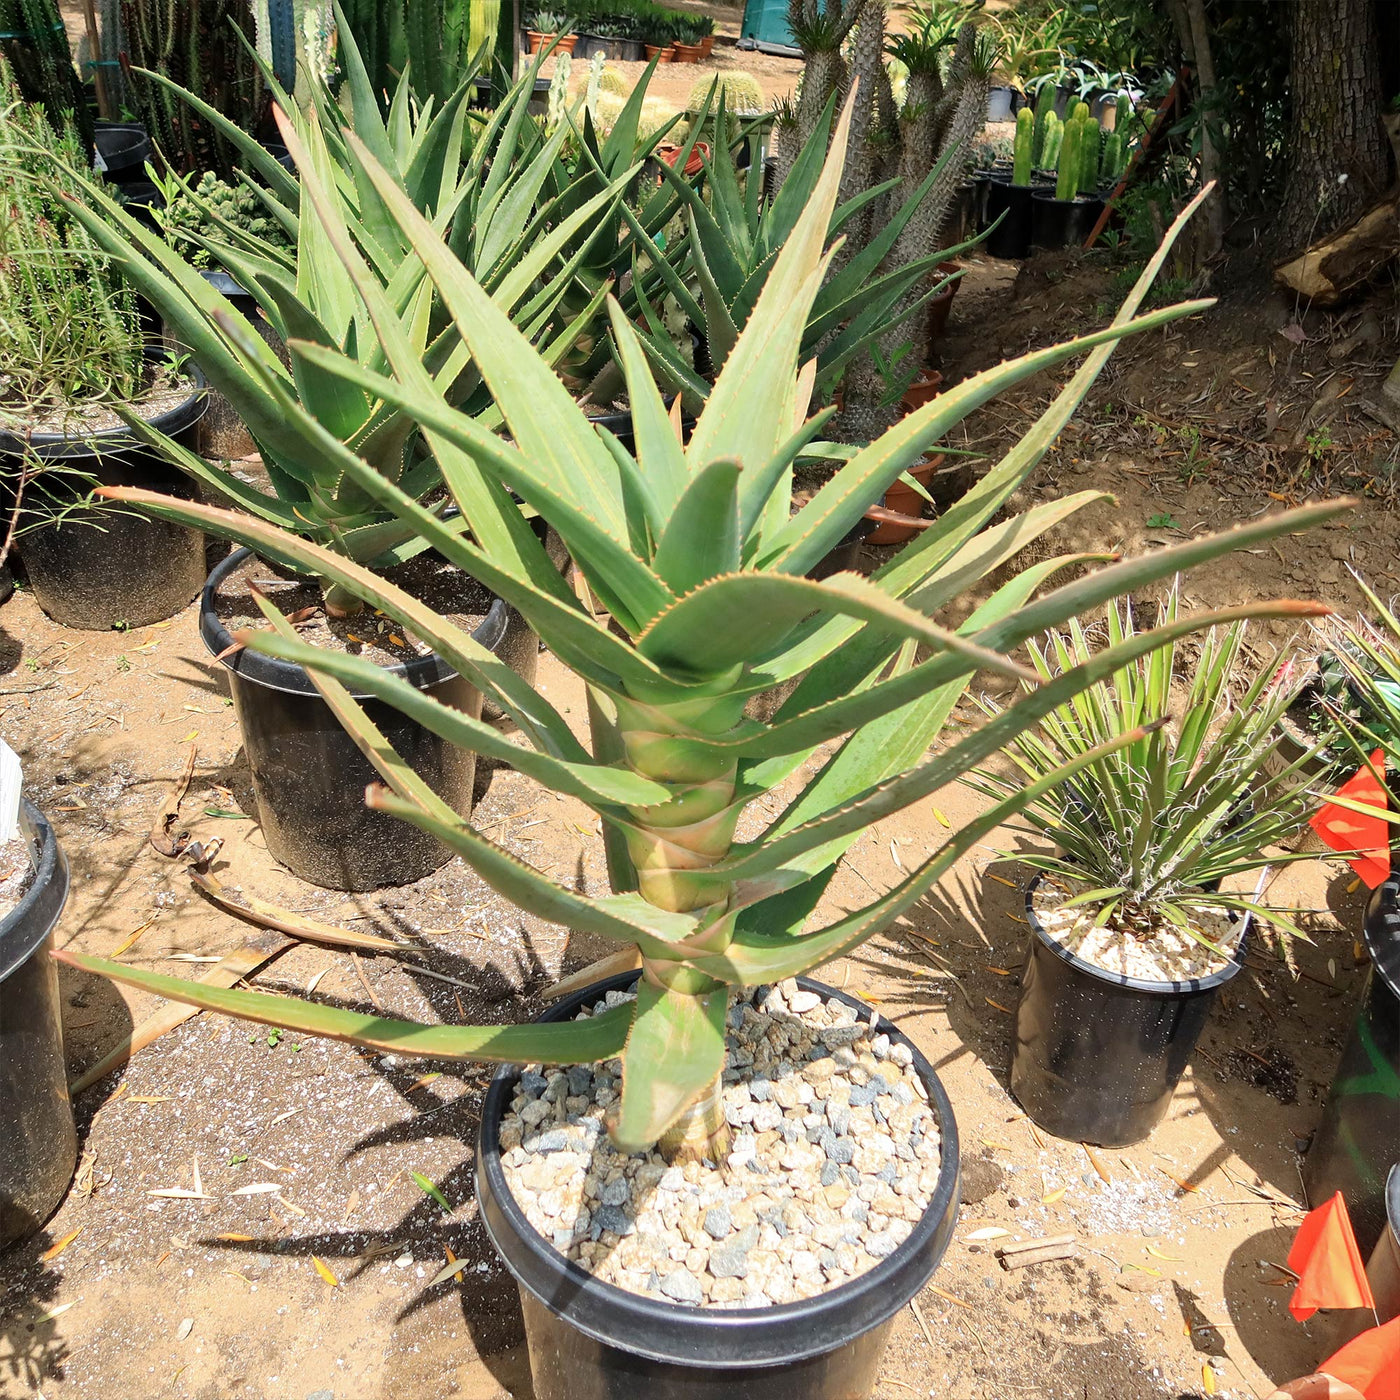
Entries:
{"x":1370,"y":1362}
{"x":1328,"y":1263}
{"x":1342,"y":829}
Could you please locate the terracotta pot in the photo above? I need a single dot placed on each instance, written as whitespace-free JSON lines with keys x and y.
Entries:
{"x":688,"y":53}
{"x":940,"y":305}
{"x":707,"y":46}
{"x":906,"y":501}
{"x":921,"y":390}
{"x":539,"y":41}
{"x":699,"y":153}
{"x":662,"y":55}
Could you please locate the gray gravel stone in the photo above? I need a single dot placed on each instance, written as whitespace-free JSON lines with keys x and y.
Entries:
{"x":683,"y":1287}
{"x":718,"y":1222}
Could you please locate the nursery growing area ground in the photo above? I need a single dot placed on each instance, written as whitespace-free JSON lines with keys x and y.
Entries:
{"x":318,"y":1283}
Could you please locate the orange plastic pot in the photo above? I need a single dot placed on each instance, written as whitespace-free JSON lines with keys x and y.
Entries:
{"x":699,"y":154}
{"x":660,"y":54}
{"x":941,"y":304}
{"x":707,"y":46}
{"x":688,"y":53}
{"x":539,"y":41}
{"x":921,"y":390}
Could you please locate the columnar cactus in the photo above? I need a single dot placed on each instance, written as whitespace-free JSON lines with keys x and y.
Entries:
{"x":1049,"y":158}
{"x":1025,"y":141}
{"x":1067,"y":182}
{"x":1044,"y":114}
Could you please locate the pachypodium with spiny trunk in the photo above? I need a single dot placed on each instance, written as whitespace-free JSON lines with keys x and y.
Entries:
{"x":696,"y":556}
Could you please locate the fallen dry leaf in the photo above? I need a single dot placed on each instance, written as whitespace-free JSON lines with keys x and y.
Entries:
{"x":54,"y":1250}
{"x":323,"y":1269}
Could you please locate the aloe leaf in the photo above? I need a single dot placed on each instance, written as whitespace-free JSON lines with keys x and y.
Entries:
{"x":624,"y":918}
{"x":674,"y":1051}
{"x":701,"y":539}
{"x":600,"y":1037}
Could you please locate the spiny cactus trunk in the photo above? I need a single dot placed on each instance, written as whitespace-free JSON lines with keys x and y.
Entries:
{"x":824,"y":74}
{"x":867,"y":68}
{"x":789,"y":142}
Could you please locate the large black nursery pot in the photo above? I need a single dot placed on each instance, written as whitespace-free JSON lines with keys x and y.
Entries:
{"x":982,"y":182}
{"x":591,"y":1340}
{"x":1099,"y":1055}
{"x":1382,"y":1272}
{"x":124,"y":149}
{"x":1358,"y":1140}
{"x":1061,"y":223}
{"x":1011,"y":238}
{"x":105,"y":564}
{"x":36,"y":1118}
{"x":309,"y":777}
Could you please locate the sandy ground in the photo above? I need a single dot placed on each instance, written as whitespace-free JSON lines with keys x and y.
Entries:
{"x":231,"y":1295}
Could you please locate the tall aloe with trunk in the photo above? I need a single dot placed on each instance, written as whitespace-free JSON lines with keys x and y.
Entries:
{"x":484,"y":188}
{"x":695,"y":553}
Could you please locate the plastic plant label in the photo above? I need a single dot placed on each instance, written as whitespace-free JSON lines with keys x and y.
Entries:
{"x":11,"y":781}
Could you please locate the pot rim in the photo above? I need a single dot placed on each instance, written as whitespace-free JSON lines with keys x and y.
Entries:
{"x":60,"y":446}
{"x":1149,"y":986}
{"x":24,"y":929}
{"x":286,"y":676}
{"x":1384,"y":907}
{"x":719,"y":1338}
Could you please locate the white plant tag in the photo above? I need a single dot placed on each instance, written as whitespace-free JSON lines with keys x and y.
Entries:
{"x":11,"y":781}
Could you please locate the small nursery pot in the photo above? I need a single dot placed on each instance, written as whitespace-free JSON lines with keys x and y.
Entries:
{"x":1011,"y":238}
{"x":108,"y":564}
{"x":36,"y":1117}
{"x":1000,"y":102}
{"x":923,"y":390}
{"x":1061,"y":223}
{"x":591,"y":1340}
{"x":942,"y":302}
{"x":688,"y":53}
{"x":1098,"y":1055}
{"x":309,"y":777}
{"x":707,"y":46}
{"x":904,"y":500}
{"x":662,"y":53}
{"x":124,"y":147}
{"x":1358,"y":1140}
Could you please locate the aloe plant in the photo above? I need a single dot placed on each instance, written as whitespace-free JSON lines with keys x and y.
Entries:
{"x":735,"y":234}
{"x":485,"y":191}
{"x":695,"y":554}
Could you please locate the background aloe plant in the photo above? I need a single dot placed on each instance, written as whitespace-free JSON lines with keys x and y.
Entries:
{"x":484,"y":189}
{"x":696,"y":555}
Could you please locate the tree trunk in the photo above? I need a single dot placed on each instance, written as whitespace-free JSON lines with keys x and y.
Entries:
{"x":1189,"y":18}
{"x":1338,"y":160}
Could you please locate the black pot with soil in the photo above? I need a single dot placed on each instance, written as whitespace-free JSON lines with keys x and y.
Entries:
{"x":36,"y":1117}
{"x":100,"y":565}
{"x":1098,"y":1054}
{"x":1061,"y":223}
{"x":593,"y":1340}
{"x":309,"y":777}
{"x":1011,"y":238}
{"x":1358,"y":1140}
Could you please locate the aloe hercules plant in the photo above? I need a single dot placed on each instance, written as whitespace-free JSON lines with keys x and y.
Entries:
{"x":700,"y":564}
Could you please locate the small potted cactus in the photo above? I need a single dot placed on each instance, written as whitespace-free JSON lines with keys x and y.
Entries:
{"x":1062,"y":217}
{"x":1011,"y":203}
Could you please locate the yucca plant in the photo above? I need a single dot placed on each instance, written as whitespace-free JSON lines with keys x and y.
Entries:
{"x":1149,"y":836}
{"x":484,"y":190}
{"x":735,"y":233}
{"x":699,"y":561}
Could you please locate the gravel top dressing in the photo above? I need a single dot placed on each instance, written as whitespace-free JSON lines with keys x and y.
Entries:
{"x":16,"y":873}
{"x":1163,"y":953}
{"x":834,"y":1158}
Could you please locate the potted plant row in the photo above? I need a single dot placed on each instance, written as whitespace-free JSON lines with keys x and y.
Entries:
{"x":1139,"y":914}
{"x":701,"y":1050}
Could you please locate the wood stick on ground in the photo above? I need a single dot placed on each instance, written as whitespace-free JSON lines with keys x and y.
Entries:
{"x":1027,"y":1252}
{"x":164,"y":837}
{"x":242,"y":962}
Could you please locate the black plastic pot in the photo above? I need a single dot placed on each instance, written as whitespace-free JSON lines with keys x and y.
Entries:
{"x":1099,"y":1055}
{"x":845,"y":553}
{"x":1358,"y":1140}
{"x":309,"y":777}
{"x":1382,"y":1273}
{"x":982,"y":181}
{"x":1011,"y":238}
{"x":36,"y":1118}
{"x":106,"y":565}
{"x":594,"y":1341}
{"x":124,"y":147}
{"x":1060,"y":223}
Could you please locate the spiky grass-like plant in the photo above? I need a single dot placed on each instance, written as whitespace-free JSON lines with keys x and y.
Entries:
{"x":695,"y":554}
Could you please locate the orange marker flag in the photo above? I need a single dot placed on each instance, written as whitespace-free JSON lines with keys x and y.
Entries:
{"x":1370,"y":1362}
{"x":1328,"y":1263}
{"x":1342,"y":829}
